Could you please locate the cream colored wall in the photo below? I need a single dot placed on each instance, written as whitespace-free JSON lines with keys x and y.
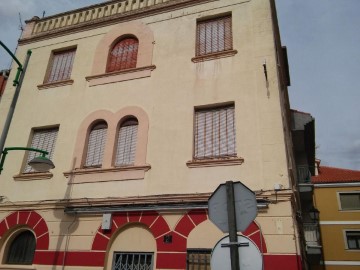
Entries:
{"x":168,"y":97}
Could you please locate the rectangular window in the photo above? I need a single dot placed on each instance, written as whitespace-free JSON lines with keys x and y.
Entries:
{"x":43,"y":139}
{"x":60,"y":66}
{"x":350,"y":201}
{"x":214,"y":133}
{"x":353,"y":239}
{"x":213,"y":35}
{"x":198,"y":259}
{"x":132,"y":261}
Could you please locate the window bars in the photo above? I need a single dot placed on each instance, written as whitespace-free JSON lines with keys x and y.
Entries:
{"x":61,"y":66}
{"x":43,"y":139}
{"x":215,"y":133}
{"x":132,"y":261}
{"x":213,"y":35}
{"x":96,"y":145}
{"x":198,"y":259}
{"x":123,"y":55}
{"x":126,"y":143}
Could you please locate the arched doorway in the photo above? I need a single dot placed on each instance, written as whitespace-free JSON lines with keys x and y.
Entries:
{"x":132,"y":245}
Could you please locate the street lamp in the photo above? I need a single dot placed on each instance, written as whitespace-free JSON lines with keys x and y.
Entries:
{"x":40,"y":163}
{"x":17,"y":82}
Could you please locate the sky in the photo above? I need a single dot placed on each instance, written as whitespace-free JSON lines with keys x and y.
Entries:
{"x":323,"y":40}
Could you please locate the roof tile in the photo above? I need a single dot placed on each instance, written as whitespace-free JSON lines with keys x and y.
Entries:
{"x":335,"y":175}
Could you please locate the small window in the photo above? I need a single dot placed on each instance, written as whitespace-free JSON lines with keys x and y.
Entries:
{"x":43,"y":139}
{"x":132,"y":261}
{"x":126,"y":143}
{"x":353,"y":239}
{"x":96,"y":145}
{"x":213,"y":35}
{"x":350,"y":201}
{"x":198,"y":259}
{"x":214,"y":133}
{"x":123,"y":55}
{"x":60,"y":66}
{"x":22,"y":249}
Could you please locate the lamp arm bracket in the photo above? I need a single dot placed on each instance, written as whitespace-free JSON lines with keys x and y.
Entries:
{"x":12,"y":55}
{"x":43,"y":152}
{"x":7,"y":149}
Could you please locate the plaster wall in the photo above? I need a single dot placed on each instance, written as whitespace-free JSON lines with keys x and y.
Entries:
{"x":168,"y":97}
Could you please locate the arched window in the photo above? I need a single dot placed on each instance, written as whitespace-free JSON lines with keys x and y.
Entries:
{"x":126,"y":143}
{"x":22,"y":249}
{"x":123,"y":54}
{"x":96,"y":145}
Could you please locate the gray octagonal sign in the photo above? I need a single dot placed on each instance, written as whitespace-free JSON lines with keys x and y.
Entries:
{"x":245,"y":207}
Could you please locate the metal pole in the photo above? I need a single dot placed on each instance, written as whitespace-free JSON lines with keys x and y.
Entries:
{"x":234,"y":248}
{"x":13,"y":104}
{"x":20,"y":67}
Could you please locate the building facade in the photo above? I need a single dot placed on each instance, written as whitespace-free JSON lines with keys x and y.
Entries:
{"x":337,"y":196}
{"x":146,"y":107}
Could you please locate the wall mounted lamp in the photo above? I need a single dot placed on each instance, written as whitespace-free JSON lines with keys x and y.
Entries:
{"x":40,"y":163}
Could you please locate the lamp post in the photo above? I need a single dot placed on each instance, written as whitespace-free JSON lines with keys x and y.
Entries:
{"x":40,"y":163}
{"x":17,"y":82}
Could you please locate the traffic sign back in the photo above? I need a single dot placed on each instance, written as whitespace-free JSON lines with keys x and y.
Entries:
{"x":245,"y":207}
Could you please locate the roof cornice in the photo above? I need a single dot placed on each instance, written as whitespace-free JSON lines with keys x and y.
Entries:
{"x":96,"y":16}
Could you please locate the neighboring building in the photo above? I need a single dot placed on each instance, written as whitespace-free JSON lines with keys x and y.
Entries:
{"x":337,"y":196}
{"x":4,"y":74}
{"x":145,"y":108}
{"x":303,"y":134}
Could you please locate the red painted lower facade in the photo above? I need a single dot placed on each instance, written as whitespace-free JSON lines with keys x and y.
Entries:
{"x":169,"y":255}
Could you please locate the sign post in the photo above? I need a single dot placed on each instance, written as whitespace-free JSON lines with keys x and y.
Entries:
{"x":234,"y":250}
{"x":232,"y":207}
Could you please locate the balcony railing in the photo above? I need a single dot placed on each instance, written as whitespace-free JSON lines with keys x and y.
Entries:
{"x":312,"y":234}
{"x":97,"y":12}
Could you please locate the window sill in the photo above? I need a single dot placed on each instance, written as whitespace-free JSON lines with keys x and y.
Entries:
{"x":214,"y":162}
{"x":16,"y":266}
{"x":33,"y":176}
{"x":55,"y":84}
{"x":122,"y":75}
{"x":93,"y":175}
{"x":212,"y":56}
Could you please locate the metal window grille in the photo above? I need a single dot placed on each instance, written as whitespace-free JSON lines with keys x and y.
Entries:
{"x":96,"y":145}
{"x":214,"y":35}
{"x":43,"y":139}
{"x":353,"y":239}
{"x":215,"y":133}
{"x":126,"y":144}
{"x":132,"y":261}
{"x":350,"y":201}
{"x":61,"y":66}
{"x":22,"y":249}
{"x":198,"y":259}
{"x":123,"y":55}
